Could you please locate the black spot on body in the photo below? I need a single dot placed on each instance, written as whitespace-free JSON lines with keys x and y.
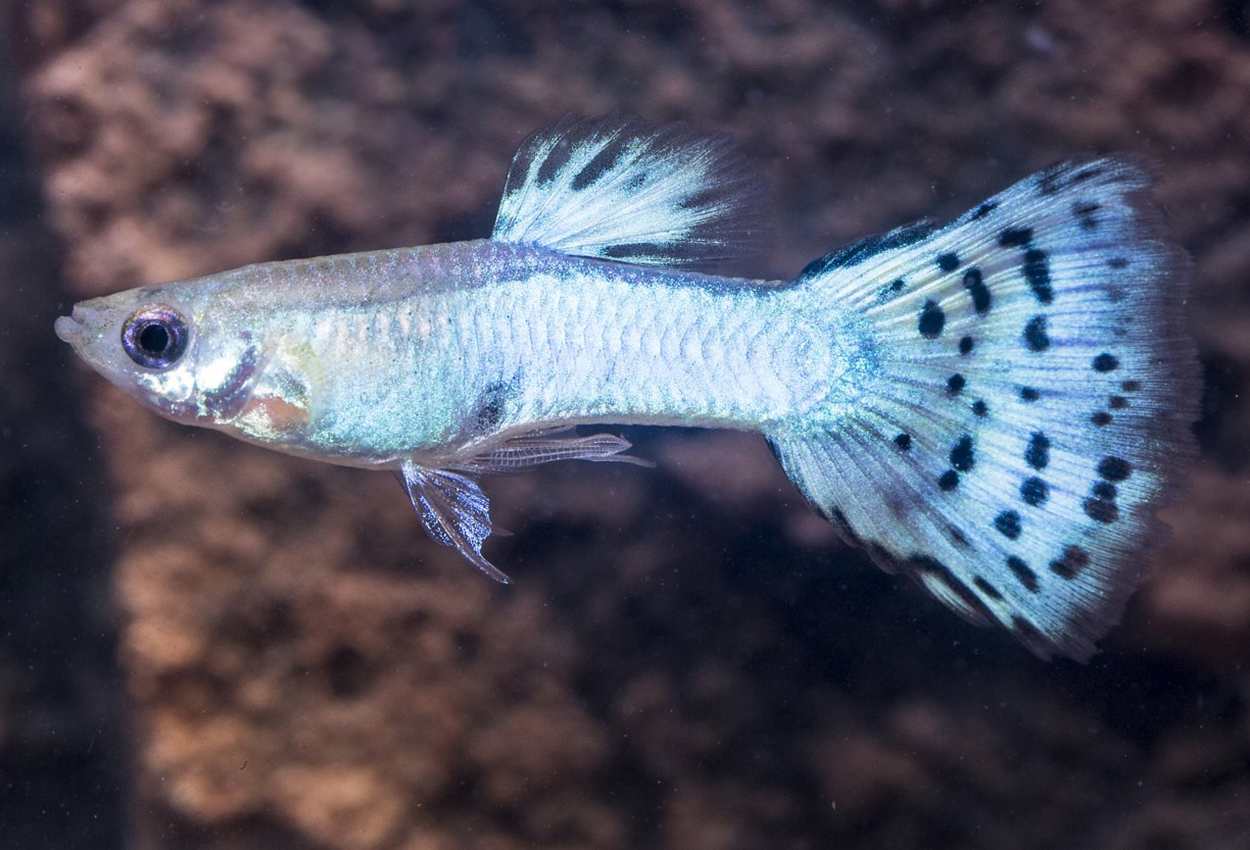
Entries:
{"x":488,"y":412}
{"x":932,"y":320}
{"x":963,"y":457}
{"x":1114,"y":468}
{"x":1105,"y":362}
{"x":1016,"y":237}
{"x":955,"y":384}
{"x":975,"y":284}
{"x":903,"y":441}
{"x":1035,"y":337}
{"x":1073,"y":560}
{"x":1037,"y":273}
{"x":948,"y":480}
{"x":1034,"y":491}
{"x":980,"y":408}
{"x":988,"y":589}
{"x":1023,"y":573}
{"x":1038,"y":453}
{"x":1008,"y":524}
{"x":984,"y":210}
{"x":1029,"y":394}
{"x":1101,"y":418}
{"x":965,"y":345}
{"x":948,"y":262}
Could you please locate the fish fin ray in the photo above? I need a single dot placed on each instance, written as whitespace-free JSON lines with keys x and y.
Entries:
{"x":454,"y":511}
{"x":545,"y":446}
{"x":1022,"y":407}
{"x":618,"y":188}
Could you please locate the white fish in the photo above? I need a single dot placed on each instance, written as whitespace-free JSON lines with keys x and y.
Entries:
{"x":995,"y":406}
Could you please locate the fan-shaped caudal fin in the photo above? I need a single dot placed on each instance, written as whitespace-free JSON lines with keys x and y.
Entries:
{"x":1027,"y":404}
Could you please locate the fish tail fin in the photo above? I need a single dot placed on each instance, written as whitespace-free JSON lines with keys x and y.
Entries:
{"x":1014,"y":401}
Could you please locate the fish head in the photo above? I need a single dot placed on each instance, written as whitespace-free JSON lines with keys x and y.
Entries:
{"x":177,"y":348}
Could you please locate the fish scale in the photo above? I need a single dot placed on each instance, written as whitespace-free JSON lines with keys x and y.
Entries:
{"x":995,"y":407}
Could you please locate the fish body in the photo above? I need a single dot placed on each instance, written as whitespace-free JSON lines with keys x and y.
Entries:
{"x":994,"y":406}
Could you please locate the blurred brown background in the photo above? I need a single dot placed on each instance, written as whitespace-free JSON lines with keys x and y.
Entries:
{"x":205,"y":645}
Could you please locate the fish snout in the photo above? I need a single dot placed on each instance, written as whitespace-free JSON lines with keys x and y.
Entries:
{"x":69,"y":328}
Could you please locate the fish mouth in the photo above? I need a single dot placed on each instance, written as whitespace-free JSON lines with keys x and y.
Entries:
{"x":69,"y":328}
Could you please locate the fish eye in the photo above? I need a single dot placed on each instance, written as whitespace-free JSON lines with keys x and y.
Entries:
{"x":155,"y":337}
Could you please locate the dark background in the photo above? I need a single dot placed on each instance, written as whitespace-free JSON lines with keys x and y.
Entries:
{"x":206,"y":645}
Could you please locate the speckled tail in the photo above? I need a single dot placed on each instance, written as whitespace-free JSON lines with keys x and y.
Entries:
{"x":1033,"y":392}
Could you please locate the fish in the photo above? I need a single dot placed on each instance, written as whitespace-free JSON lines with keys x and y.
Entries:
{"x":995,"y":407}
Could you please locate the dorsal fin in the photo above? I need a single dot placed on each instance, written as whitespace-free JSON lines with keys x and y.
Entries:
{"x":619,"y":188}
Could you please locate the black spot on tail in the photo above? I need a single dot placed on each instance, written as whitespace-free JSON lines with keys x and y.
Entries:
{"x":1070,"y":564}
{"x":903,"y":441}
{"x":1008,"y":524}
{"x":1034,"y":491}
{"x":1114,"y":468}
{"x":948,"y":480}
{"x":1023,"y":573}
{"x":1084,"y":212}
{"x":866,"y":249}
{"x":935,"y":569}
{"x":988,"y":589}
{"x":1016,"y":237}
{"x":1029,"y":394}
{"x":948,"y":262}
{"x":1100,"y":510}
{"x":983,"y":210}
{"x":1035,"y":337}
{"x":955,"y":384}
{"x":1026,"y":631}
{"x":1105,"y":362}
{"x":1037,"y":455}
{"x":932,"y":320}
{"x":975,"y":284}
{"x":890,"y":289}
{"x":962,"y":456}
{"x":1037,"y":273}
{"x":965,"y":345}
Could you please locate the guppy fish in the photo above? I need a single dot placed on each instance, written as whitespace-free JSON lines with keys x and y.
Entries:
{"x":994,"y":407}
